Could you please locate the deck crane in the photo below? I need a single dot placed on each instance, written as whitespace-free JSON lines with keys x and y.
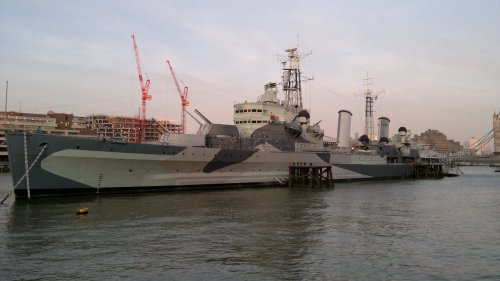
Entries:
{"x":183,"y":96}
{"x":144,"y":90}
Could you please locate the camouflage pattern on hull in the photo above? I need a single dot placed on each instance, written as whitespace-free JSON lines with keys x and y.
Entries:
{"x":83,"y":165}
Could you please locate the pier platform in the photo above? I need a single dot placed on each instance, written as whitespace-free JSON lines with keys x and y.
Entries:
{"x":309,"y":174}
{"x":429,"y":170}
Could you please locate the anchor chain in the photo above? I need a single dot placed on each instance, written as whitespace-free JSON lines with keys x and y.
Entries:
{"x":26,"y":166}
{"x":28,"y":169}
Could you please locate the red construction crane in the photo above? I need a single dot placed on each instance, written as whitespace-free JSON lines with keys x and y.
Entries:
{"x":144,"y":90}
{"x":183,"y":96}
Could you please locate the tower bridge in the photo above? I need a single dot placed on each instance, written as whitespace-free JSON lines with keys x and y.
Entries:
{"x":468,"y":155}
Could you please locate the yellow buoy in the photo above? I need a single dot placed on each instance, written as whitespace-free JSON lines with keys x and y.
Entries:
{"x":82,"y":211}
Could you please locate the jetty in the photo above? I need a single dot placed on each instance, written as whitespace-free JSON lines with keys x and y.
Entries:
{"x":310,"y":174}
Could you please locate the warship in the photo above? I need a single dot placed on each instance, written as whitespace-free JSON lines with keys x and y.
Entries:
{"x":267,"y":138}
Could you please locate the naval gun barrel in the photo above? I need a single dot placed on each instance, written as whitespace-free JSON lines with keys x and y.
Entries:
{"x":203,"y":117}
{"x":160,"y":125}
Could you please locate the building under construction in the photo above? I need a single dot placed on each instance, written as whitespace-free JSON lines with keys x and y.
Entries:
{"x":128,"y":128}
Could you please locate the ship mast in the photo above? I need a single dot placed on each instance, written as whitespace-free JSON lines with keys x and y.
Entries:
{"x":292,"y":79}
{"x":369,"y":131}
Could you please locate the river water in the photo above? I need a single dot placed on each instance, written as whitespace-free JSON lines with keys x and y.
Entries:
{"x":445,"y":229}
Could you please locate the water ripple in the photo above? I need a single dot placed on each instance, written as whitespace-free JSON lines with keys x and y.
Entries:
{"x":398,"y":230}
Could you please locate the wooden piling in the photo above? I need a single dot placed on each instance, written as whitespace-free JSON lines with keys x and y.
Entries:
{"x":313,"y":175}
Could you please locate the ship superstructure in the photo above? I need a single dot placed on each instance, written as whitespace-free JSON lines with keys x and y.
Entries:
{"x":249,"y":116}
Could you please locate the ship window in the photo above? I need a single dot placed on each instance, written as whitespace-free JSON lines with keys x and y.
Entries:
{"x":254,"y":121}
{"x":77,"y":147}
{"x":254,"y":110}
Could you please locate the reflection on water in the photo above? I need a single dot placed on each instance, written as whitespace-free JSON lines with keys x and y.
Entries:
{"x":399,"y":230}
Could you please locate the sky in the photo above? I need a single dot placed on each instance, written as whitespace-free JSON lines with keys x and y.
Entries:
{"x":436,"y":64}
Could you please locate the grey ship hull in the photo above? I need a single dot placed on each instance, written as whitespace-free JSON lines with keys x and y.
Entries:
{"x":83,"y":165}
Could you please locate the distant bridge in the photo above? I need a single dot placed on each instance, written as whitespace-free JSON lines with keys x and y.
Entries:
{"x":469,"y":154}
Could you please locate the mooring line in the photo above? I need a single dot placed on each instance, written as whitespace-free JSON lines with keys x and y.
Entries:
{"x":26,"y":173}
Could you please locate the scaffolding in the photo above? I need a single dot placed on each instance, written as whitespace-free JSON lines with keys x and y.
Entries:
{"x":127,"y":129}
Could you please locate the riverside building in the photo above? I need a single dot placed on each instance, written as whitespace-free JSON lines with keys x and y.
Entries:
{"x":438,"y":141}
